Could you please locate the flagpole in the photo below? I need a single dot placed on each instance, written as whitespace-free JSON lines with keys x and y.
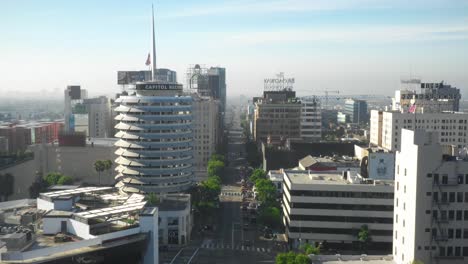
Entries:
{"x":153,"y":63}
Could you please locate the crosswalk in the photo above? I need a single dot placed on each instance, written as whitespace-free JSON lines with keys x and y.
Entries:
{"x":231,"y":193}
{"x":209,"y":245}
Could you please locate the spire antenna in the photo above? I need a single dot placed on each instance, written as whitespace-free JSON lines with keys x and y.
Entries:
{"x":154,"y":48}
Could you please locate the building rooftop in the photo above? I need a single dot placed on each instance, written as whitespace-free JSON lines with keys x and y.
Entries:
{"x":351,"y":259}
{"x":332,"y":178}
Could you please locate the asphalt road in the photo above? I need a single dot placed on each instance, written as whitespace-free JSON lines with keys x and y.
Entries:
{"x":229,"y":241}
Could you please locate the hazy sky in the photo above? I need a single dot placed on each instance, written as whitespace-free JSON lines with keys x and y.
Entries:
{"x":355,"y":46}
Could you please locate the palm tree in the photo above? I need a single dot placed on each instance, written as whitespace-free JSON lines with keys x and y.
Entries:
{"x":99,"y":167}
{"x":107,"y":165}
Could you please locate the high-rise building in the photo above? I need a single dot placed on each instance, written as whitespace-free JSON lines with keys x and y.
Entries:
{"x":155,"y":137}
{"x":76,"y":118}
{"x":99,"y":117}
{"x":217,"y":84}
{"x":426,"y":97}
{"x":206,"y":132}
{"x":387,"y":132}
{"x":208,"y":82}
{"x":356,"y":110}
{"x":311,"y":120}
{"x":277,"y":116}
{"x":431,"y":193}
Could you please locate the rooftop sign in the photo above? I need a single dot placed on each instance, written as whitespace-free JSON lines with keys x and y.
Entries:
{"x":158,"y":86}
{"x":279,"y":83}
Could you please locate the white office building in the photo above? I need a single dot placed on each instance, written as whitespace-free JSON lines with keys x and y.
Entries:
{"x":206,"y":134}
{"x":311,"y":120}
{"x":451,"y":126}
{"x":333,"y":207}
{"x":431,"y":196}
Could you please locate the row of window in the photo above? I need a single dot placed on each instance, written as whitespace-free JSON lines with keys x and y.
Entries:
{"x":342,"y":219}
{"x":356,"y":207}
{"x":449,"y":197}
{"x":337,"y":231}
{"x":376,"y":195}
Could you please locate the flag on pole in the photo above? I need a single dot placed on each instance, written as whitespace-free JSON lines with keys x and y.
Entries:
{"x":412,"y":109}
{"x":148,"y":60}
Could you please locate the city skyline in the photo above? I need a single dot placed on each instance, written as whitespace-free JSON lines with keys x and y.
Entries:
{"x":356,"y":47}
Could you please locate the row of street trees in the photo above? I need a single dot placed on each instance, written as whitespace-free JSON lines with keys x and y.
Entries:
{"x":269,"y":210}
{"x":205,"y":195}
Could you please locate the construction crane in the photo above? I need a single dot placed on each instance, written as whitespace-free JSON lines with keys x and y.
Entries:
{"x":326,"y":96}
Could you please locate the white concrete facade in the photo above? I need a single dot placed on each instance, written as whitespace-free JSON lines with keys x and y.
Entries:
{"x":311,"y":120}
{"x":431,"y":196}
{"x":452,"y":127}
{"x":325,"y":206}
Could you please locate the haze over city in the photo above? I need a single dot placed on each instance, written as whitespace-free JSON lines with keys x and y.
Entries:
{"x":356,"y":46}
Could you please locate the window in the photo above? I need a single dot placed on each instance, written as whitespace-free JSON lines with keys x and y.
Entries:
{"x":442,"y":251}
{"x":429,"y":175}
{"x":465,"y":233}
{"x":460,"y":178}
{"x":405,"y":172}
{"x":452,"y":197}
{"x":459,"y":197}
{"x":444,"y":197}
{"x":451,"y":215}
{"x":465,"y":251}
{"x":465,"y":216}
{"x":435,"y":197}
{"x":444,"y":179}
{"x":428,"y":194}
{"x":457,"y":251}
{"x":436,"y":178}
{"x":458,"y":233}
{"x":459,"y":215}
{"x":450,"y":233}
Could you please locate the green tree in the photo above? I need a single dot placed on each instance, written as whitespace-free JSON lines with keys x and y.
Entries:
{"x":215,"y":167}
{"x":270,"y":216}
{"x":152,"y":199}
{"x":99,"y":166}
{"x":52,"y":178}
{"x":364,"y":237}
{"x":291,"y":258}
{"x":301,"y":259}
{"x":417,"y":262}
{"x":218,"y":157}
{"x":257,"y":174}
{"x":309,"y":249}
{"x":107,"y":165}
{"x":64,"y":180}
{"x":266,"y":191}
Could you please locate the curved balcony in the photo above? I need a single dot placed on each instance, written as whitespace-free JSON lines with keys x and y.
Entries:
{"x":145,"y":162}
{"x":137,"y":153}
{"x":137,"y":135}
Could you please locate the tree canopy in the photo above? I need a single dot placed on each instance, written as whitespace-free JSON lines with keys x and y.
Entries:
{"x":291,"y":258}
{"x":215,"y":168}
{"x":257,"y":174}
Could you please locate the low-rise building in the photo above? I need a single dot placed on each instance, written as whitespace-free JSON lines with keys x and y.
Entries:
{"x":334,"y":206}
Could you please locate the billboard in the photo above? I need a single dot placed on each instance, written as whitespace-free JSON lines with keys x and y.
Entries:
{"x":382,"y":166}
{"x":130,"y":77}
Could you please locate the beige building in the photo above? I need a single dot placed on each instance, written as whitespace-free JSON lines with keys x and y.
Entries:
{"x":277,"y":117}
{"x":206,"y":131}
